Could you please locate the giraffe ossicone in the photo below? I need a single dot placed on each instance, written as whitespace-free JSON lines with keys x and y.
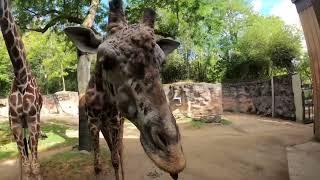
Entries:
{"x":25,"y":100}
{"x":126,"y":84}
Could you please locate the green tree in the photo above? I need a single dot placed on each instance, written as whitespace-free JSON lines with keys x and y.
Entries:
{"x":284,"y":48}
{"x":303,"y":68}
{"x":175,"y":69}
{"x":265,"y":46}
{"x":51,"y":57}
{"x":5,"y":70}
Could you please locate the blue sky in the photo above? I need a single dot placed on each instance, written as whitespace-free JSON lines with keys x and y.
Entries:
{"x":266,"y":6}
{"x":106,"y":1}
{"x":285,"y":9}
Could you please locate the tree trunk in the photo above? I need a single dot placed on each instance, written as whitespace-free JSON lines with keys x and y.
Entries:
{"x":63,"y":83}
{"x":62,"y":78}
{"x":83,"y":76}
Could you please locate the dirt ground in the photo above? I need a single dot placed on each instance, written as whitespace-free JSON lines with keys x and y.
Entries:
{"x":252,"y":148}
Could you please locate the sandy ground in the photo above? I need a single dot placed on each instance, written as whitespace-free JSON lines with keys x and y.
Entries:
{"x":252,"y":148}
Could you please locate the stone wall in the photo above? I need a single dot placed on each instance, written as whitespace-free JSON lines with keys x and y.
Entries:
{"x":256,"y":97}
{"x":196,"y":100}
{"x":61,"y":103}
{"x":199,"y":100}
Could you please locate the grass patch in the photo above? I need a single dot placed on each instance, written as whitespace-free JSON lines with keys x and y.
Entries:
{"x":73,"y":165}
{"x":197,"y":124}
{"x":5,"y":133}
{"x":56,"y":138}
{"x":225,"y":122}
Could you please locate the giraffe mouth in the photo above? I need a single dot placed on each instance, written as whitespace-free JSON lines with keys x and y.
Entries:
{"x":168,"y":157}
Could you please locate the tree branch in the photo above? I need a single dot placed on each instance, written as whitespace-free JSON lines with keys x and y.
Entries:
{"x":42,"y":13}
{"x":55,"y":21}
{"x":88,"y":22}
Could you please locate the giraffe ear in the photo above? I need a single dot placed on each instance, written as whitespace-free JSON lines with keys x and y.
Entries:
{"x":84,"y":39}
{"x":168,"y":45}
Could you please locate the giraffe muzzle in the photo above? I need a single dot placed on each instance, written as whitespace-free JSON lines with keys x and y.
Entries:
{"x":165,"y":152}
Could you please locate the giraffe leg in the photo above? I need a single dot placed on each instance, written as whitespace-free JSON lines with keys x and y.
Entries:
{"x":34,"y":131}
{"x":94,"y":128}
{"x":111,"y":134}
{"x":17,"y":131}
{"x":121,"y":147}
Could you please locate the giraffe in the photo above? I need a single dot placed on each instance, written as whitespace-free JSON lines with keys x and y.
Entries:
{"x":25,"y":100}
{"x":126,"y":84}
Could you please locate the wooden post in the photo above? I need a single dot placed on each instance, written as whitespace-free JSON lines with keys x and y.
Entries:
{"x":309,"y":12}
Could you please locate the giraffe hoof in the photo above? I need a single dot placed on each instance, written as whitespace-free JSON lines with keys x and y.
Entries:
{"x":35,"y":167}
{"x":38,"y":177}
{"x":97,"y":169}
{"x":26,"y":169}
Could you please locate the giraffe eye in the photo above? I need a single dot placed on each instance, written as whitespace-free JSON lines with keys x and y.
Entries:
{"x":146,"y":110}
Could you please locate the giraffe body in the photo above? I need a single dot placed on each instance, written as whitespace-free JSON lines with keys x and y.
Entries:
{"x":126,"y":84}
{"x":25,"y":100}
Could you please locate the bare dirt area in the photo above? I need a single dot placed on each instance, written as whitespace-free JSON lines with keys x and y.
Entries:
{"x":251,"y":148}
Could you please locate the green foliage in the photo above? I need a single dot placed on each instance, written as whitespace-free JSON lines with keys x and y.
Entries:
{"x":284,"y":48}
{"x":220,"y":41}
{"x":266,"y":45}
{"x":247,"y":71}
{"x":43,"y":15}
{"x":175,"y":69}
{"x":5,"y":70}
{"x":303,"y":67}
{"x":51,"y":58}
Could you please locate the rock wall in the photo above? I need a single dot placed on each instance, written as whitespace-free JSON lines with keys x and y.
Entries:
{"x":256,"y":97}
{"x":61,"y":103}
{"x":196,"y":100}
{"x":199,"y":100}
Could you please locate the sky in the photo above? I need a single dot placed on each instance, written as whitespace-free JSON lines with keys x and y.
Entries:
{"x":285,"y":9}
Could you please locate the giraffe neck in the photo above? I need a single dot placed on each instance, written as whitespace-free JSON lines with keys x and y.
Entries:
{"x":15,"y":46}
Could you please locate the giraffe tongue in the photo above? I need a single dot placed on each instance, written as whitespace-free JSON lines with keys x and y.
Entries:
{"x":174,"y":176}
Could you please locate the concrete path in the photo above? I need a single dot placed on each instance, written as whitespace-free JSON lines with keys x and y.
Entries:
{"x":304,"y":161}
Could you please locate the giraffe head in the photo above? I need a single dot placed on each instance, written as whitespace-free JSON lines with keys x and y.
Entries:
{"x":129,"y":60}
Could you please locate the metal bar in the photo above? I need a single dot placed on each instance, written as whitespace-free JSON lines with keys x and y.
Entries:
{"x":273,"y":98}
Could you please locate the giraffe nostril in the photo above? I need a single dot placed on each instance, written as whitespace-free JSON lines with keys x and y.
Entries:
{"x":159,"y":140}
{"x":162,"y":140}
{"x":174,"y":176}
